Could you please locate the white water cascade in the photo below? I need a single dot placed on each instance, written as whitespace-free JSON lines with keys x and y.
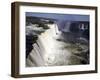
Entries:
{"x":48,"y":51}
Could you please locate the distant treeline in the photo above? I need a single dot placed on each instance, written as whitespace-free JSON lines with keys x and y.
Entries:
{"x":38,"y":20}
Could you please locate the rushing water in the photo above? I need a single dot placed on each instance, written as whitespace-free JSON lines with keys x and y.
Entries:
{"x":51,"y":50}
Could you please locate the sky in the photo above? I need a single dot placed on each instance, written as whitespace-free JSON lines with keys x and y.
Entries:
{"x":65,"y":17}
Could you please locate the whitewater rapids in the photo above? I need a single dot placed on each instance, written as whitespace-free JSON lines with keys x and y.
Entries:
{"x":49,"y":51}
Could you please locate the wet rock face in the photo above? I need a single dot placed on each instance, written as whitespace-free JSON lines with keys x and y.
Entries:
{"x":81,"y":29}
{"x":29,"y":41}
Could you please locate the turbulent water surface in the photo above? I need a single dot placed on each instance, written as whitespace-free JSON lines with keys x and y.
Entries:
{"x":50,"y":49}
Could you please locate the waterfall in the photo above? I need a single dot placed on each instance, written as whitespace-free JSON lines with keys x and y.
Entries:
{"x":52,"y":51}
{"x":48,"y":51}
